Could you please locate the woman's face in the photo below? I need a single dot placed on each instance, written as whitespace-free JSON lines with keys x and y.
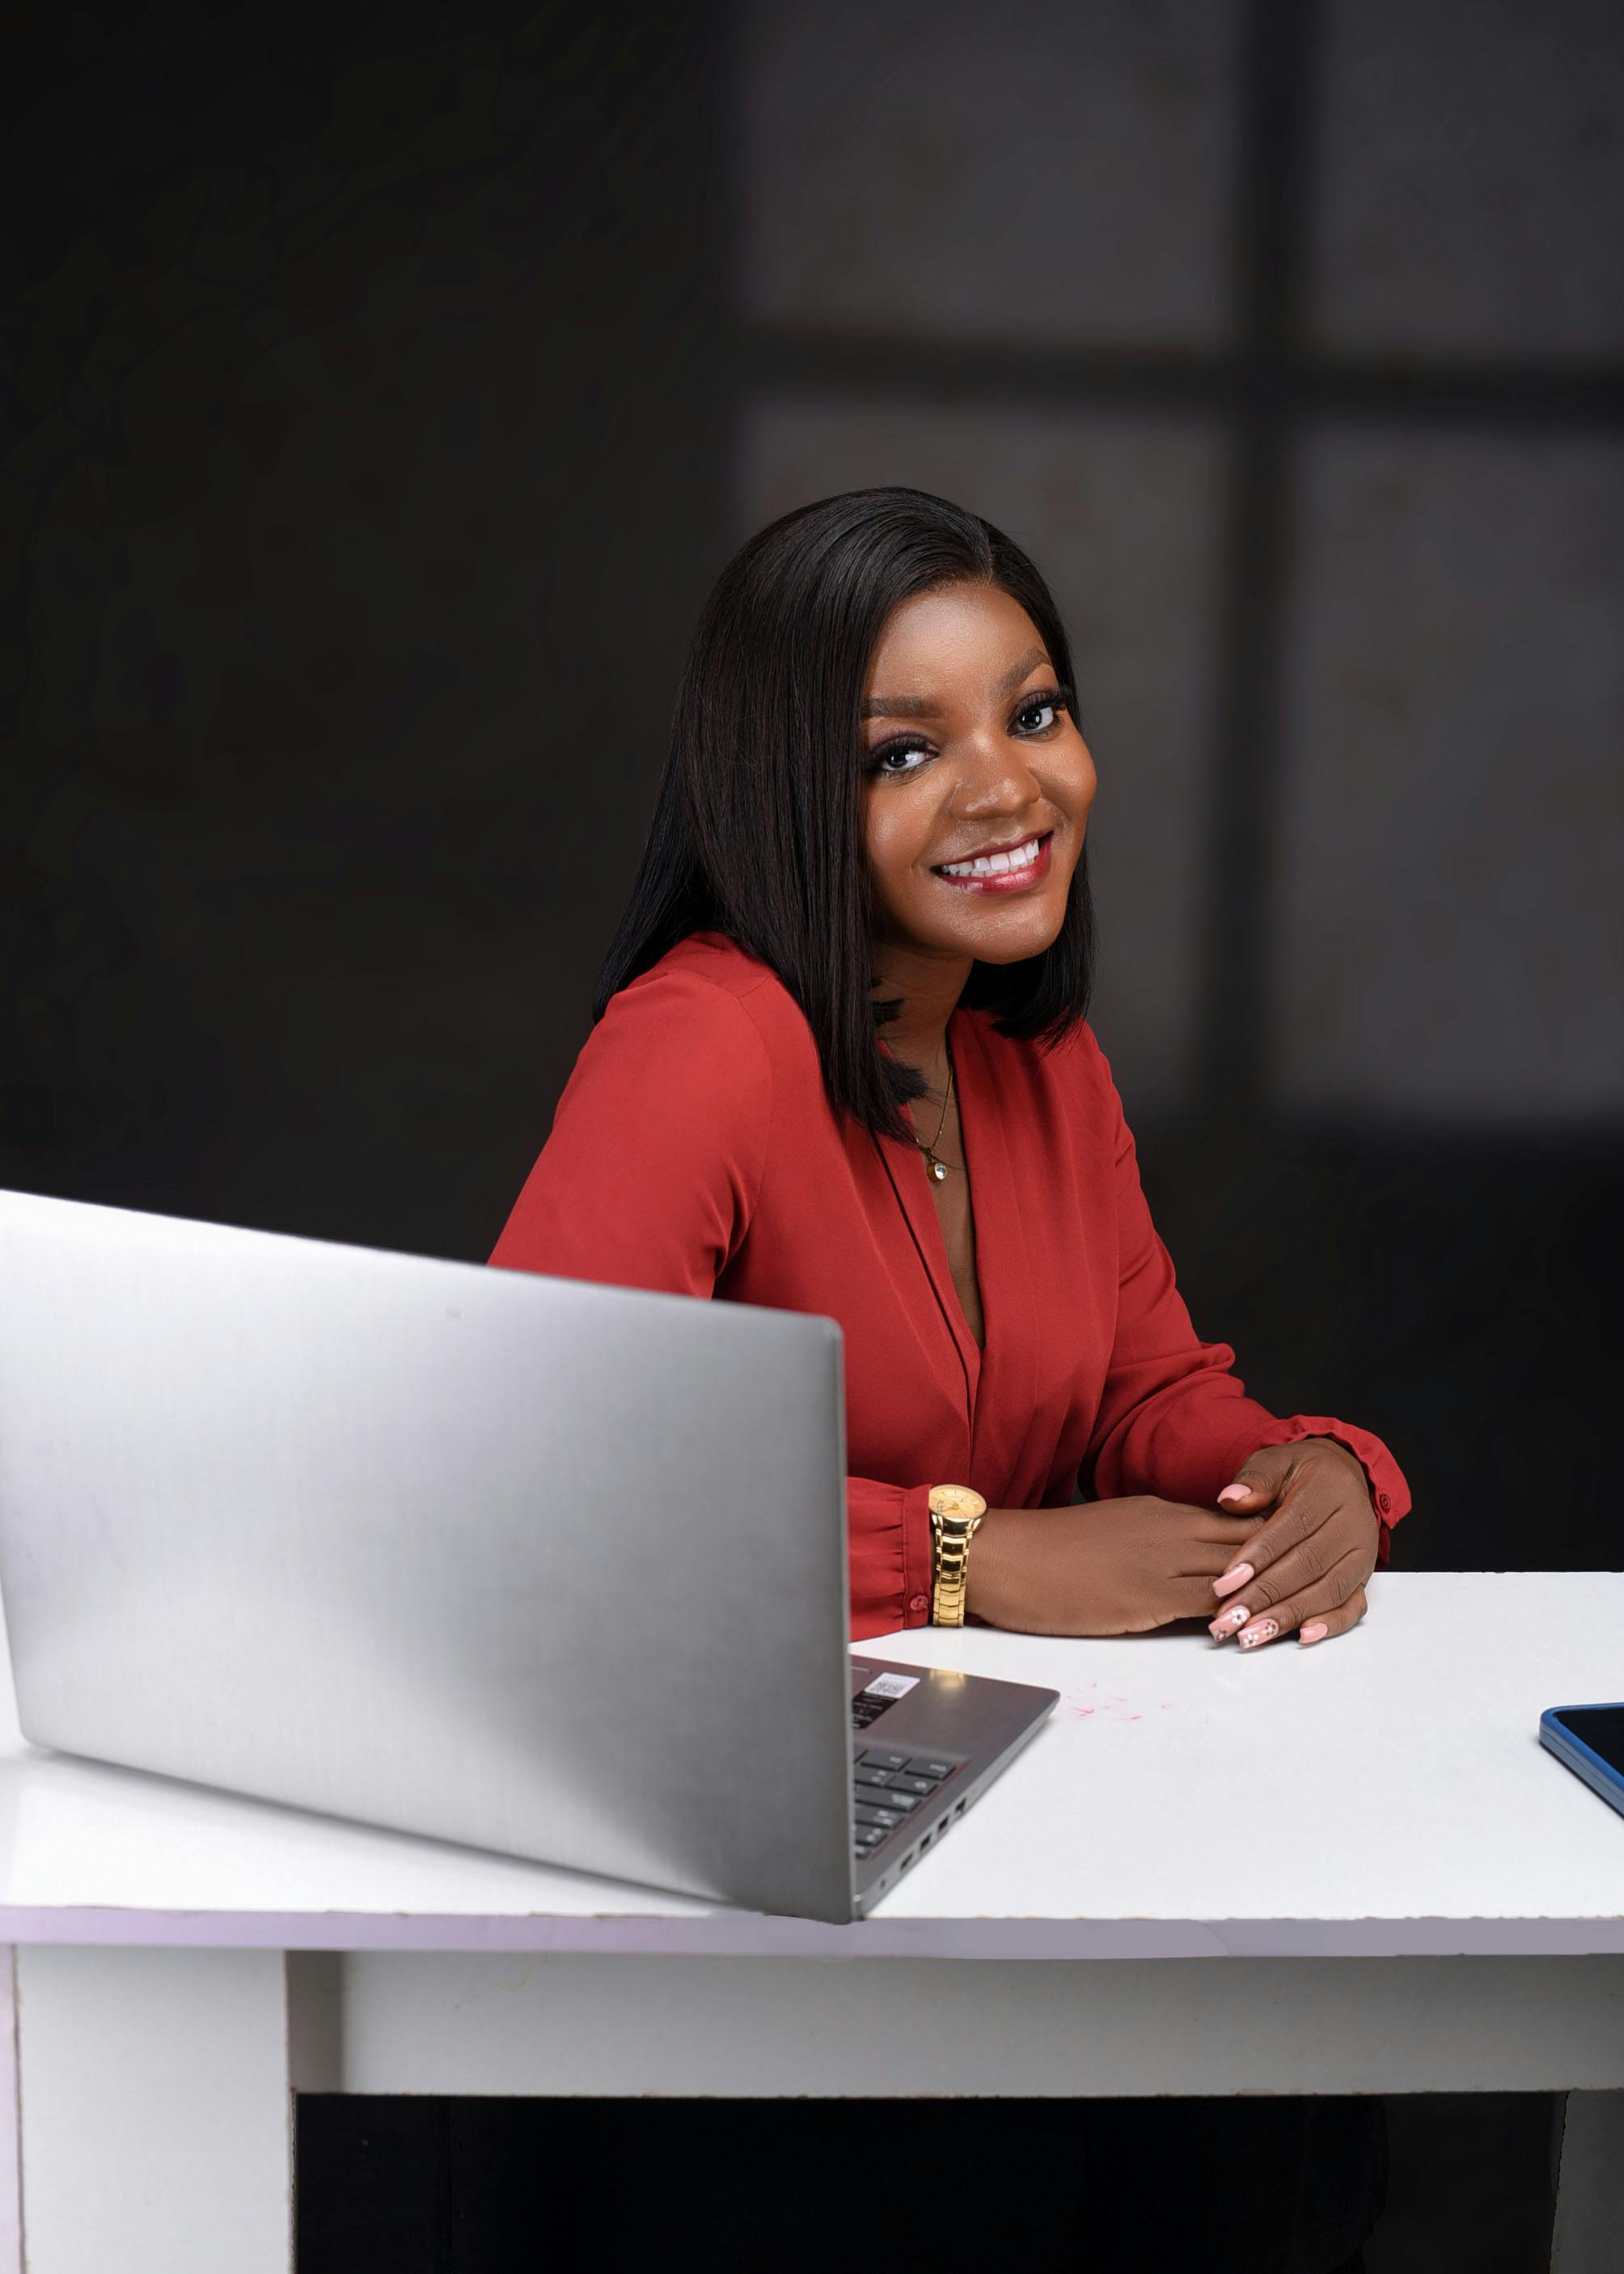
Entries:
{"x":969,"y":744}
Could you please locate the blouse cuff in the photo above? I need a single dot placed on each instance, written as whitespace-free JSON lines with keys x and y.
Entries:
{"x":888,"y":1538}
{"x":917,"y":1555}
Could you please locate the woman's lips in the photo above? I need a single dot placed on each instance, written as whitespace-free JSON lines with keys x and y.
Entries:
{"x":1012,"y":880}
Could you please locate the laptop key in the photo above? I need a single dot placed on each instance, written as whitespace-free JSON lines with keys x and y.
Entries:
{"x":885,"y":1760}
{"x":887,"y":1817}
{"x":897,"y":1804}
{"x":918,"y":1786}
{"x":930,"y":1767}
{"x":864,"y":1774}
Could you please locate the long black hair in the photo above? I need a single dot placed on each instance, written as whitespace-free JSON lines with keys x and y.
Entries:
{"x":757,"y":828}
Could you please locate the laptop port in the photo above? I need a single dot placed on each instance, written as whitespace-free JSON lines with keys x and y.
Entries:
{"x":959,"y":1809}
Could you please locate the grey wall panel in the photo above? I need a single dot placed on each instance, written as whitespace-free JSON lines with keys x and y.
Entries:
{"x":1449,"y":923}
{"x":1471,"y":177}
{"x":1032,"y":174}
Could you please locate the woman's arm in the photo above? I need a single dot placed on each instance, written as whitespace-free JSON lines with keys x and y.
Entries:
{"x":650,"y":1177}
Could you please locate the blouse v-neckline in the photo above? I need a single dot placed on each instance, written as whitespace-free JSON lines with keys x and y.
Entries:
{"x":1001,"y":1260}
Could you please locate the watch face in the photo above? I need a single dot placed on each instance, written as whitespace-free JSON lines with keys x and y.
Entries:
{"x":957,"y":1502}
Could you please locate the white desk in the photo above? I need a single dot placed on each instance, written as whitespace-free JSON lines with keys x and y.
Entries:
{"x":1345,"y":1869}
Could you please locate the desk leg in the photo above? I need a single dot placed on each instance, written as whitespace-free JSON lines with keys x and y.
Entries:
{"x":1589,"y":2187}
{"x":156,"y":2112}
{"x":11,"y":2169}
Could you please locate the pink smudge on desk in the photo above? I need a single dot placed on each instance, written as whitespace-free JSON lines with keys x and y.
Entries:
{"x":1113,"y":1706}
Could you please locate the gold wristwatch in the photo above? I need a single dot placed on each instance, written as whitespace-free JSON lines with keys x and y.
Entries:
{"x":956,"y":1513}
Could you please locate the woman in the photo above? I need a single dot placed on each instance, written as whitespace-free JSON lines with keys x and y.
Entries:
{"x":841,"y":1063}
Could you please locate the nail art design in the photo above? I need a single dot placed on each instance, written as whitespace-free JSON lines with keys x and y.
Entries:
{"x":1226,"y":1622}
{"x":1262,"y":1632}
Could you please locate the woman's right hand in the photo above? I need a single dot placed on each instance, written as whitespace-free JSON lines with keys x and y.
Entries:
{"x":1104,"y":1567}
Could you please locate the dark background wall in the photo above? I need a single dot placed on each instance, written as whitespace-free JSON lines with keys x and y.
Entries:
{"x":385,"y":386}
{"x":361,"y":482}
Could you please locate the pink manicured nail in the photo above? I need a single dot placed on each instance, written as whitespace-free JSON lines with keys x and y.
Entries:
{"x":1236,"y":1492}
{"x":1262,"y":1632}
{"x":1316,"y":1632}
{"x":1226,"y":1622}
{"x":1233,"y":1579}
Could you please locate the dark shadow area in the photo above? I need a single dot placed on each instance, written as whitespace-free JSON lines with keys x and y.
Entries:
{"x":1441,"y":1288}
{"x":439,"y":2186}
{"x":358,"y":485}
{"x":1469,"y":2184}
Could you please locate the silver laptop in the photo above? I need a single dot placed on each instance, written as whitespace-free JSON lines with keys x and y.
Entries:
{"x":544,"y":1566}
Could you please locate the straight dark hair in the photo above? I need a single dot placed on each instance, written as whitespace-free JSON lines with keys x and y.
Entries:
{"x":757,"y":827}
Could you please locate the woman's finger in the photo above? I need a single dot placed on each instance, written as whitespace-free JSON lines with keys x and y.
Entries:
{"x":1257,"y":1482}
{"x":1315,"y":1519}
{"x":1194,"y":1597}
{"x":1199,"y":1558}
{"x":1324,"y":1570}
{"x":1326,"y":1623}
{"x":1303,"y":1507}
{"x":1318,"y":1480}
{"x":1282,"y":1607}
{"x":1321,"y":1606}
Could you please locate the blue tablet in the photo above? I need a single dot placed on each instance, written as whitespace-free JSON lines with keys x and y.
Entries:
{"x":1591,"y":1740}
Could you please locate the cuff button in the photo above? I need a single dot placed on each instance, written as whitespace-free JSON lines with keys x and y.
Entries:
{"x":919,"y":1602}
{"x":1382,"y":1501}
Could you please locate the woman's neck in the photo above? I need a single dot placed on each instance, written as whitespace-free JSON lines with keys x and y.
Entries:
{"x":929,"y":987}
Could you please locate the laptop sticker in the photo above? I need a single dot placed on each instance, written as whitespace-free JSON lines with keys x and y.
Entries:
{"x":891,"y":1685}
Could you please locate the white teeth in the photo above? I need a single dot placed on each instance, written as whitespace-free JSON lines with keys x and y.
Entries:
{"x":996,"y":865}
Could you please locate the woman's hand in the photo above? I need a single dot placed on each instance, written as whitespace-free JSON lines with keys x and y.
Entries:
{"x":1106,"y":1566}
{"x":1310,"y":1561}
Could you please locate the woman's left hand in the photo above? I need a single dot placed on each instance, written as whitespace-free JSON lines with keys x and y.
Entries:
{"x":1307,"y":1566}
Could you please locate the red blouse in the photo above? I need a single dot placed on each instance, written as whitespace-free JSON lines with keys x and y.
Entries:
{"x":694,"y":1150}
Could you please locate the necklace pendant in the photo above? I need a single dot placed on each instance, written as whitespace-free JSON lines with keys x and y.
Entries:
{"x":938,"y":1169}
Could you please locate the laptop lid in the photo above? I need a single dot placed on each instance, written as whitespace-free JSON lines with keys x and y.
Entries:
{"x":532,"y":1563}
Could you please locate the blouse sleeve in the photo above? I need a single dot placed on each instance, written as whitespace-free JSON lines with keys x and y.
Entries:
{"x":649,"y":1179}
{"x":1174,"y":1418}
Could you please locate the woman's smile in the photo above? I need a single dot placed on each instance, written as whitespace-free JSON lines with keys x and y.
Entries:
{"x":1017,"y":872}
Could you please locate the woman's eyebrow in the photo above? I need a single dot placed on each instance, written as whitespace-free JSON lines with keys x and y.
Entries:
{"x":916,"y":706}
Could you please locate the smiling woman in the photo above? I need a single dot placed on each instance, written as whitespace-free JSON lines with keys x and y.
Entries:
{"x":785,"y":807}
{"x":880,"y":690}
{"x":865,"y":890}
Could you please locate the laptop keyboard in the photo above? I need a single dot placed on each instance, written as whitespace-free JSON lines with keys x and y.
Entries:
{"x":887,"y":1787}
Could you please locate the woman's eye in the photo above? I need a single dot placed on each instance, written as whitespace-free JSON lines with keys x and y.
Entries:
{"x":1041,"y":702}
{"x":900,"y":750}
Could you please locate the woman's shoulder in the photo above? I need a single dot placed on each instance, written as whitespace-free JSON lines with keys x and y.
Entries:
{"x":708,"y":958}
{"x":707,"y":999}
{"x":710,"y":980}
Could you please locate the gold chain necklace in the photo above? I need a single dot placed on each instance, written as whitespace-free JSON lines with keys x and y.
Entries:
{"x":934,"y":1167}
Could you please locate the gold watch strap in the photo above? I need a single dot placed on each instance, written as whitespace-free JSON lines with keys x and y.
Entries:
{"x":956,"y":1512}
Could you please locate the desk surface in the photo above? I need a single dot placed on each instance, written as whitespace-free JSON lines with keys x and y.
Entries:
{"x":1381,"y":1794}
